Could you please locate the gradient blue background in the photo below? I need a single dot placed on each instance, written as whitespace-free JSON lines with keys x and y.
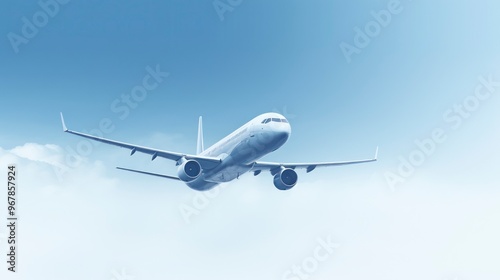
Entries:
{"x":264,"y":56}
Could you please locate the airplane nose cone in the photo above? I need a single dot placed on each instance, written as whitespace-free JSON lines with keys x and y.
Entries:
{"x":277,"y":136}
{"x":283,"y":135}
{"x":283,"y":132}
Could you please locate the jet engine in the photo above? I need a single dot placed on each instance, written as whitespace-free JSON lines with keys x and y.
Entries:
{"x":189,"y":170}
{"x":285,"y":179}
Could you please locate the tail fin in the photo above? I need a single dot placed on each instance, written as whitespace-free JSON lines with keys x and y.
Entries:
{"x":199,"y":146}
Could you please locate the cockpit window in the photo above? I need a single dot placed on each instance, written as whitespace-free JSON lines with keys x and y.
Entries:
{"x":274,"y":120}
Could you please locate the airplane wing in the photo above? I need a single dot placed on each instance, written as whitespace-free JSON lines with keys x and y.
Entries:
{"x":205,"y":162}
{"x":272,"y":166}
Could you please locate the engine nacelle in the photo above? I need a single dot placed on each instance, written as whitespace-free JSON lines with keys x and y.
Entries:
{"x":285,"y":179}
{"x":189,"y":170}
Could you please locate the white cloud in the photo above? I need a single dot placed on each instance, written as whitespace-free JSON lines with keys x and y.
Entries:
{"x":97,"y":220}
{"x":49,"y":153}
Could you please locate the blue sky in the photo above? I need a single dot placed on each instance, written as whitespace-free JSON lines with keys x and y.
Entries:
{"x":91,"y":53}
{"x":263,"y":56}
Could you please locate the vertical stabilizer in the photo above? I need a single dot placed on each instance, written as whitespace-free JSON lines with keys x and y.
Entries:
{"x":199,"y":146}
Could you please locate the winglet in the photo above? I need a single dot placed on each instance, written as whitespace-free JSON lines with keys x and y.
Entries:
{"x":63,"y":124}
{"x":376,"y":154}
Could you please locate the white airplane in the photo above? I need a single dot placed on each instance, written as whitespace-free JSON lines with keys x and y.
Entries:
{"x":232,"y":156}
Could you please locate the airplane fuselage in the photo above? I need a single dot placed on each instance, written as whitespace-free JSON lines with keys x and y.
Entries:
{"x":245,"y":145}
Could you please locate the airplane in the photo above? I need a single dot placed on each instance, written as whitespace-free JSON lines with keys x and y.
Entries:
{"x":231,"y":157}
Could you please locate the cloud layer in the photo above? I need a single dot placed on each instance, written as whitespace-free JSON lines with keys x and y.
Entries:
{"x":97,"y":224}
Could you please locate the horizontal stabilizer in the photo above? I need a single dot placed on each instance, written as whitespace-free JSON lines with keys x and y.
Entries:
{"x":149,"y":173}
